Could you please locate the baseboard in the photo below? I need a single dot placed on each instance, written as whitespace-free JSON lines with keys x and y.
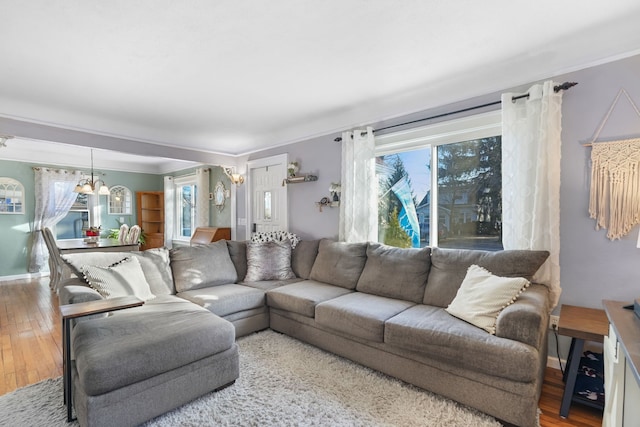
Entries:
{"x":552,"y":362}
{"x":25,"y":276}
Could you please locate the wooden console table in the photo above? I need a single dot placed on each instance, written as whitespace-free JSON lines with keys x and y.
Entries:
{"x":581,"y":324}
{"x":73,"y":311}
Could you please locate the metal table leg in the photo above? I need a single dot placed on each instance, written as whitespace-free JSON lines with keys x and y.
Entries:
{"x":577,"y":345}
{"x":66,"y":331}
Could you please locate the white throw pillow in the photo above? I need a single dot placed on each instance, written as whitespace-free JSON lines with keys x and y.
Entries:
{"x":482,"y":296}
{"x":118,"y":280}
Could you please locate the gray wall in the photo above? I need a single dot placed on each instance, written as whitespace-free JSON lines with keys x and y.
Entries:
{"x":592,"y":267}
{"x":319,"y":156}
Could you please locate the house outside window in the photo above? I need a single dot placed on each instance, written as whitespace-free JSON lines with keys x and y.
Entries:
{"x":185,"y":193}
{"x":463,"y":208}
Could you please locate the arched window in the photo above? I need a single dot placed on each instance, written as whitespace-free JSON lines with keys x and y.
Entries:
{"x":11,"y":196}
{"x":119,"y":200}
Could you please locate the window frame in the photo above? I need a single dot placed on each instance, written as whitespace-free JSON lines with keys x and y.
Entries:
{"x":476,"y":126}
{"x":14,"y":188}
{"x":178,"y":183}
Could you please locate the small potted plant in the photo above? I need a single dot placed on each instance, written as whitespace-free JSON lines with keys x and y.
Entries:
{"x":292,"y":168}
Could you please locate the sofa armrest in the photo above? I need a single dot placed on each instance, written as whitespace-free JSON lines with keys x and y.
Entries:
{"x":527,"y":319}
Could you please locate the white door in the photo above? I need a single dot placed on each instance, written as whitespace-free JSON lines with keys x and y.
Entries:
{"x":267,"y":196}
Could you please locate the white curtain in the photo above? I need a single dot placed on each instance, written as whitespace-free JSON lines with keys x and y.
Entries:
{"x":54,"y":197}
{"x":358,"y":201}
{"x":531,"y":148}
{"x":202,"y":197}
{"x":169,"y":210}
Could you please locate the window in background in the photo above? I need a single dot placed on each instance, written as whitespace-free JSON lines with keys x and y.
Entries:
{"x":185,"y":207}
{"x":11,"y":196}
{"x":73,"y":225}
{"x":119,"y":200}
{"x":464,"y":209}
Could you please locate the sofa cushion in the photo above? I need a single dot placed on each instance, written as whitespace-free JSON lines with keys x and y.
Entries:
{"x":238,"y":254}
{"x":303,"y":256}
{"x":267,"y":285}
{"x":395,"y":272}
{"x":432,"y":331}
{"x":154,"y":262}
{"x":268,"y":261}
{"x":302,"y":297}
{"x":226,"y":299}
{"x":482,"y":296}
{"x":201,"y":266}
{"x":152,"y":339}
{"x":339,"y":263}
{"x":449,"y":267}
{"x":359,"y":314}
{"x":119,"y":280}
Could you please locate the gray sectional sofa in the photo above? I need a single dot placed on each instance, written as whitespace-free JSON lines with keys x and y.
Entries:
{"x":383,"y":307}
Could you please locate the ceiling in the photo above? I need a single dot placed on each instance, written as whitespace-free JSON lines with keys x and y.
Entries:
{"x":231,"y":77}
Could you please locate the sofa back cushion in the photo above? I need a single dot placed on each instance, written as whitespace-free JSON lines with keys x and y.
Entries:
{"x":303,"y":256}
{"x":399,"y":273}
{"x":238,"y":254}
{"x":196,"y":267}
{"x":339,"y":263}
{"x":154,"y":262}
{"x":449,"y":268}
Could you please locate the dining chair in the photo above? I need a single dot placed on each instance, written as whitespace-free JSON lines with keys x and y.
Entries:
{"x":58,"y":271}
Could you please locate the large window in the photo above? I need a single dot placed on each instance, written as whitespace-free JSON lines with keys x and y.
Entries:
{"x":441,"y":185}
{"x":185,"y":207}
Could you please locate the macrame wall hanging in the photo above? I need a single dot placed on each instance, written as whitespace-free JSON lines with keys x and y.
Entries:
{"x":614,"y":199}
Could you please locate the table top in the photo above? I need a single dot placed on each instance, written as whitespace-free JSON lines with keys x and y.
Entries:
{"x":79,"y":244}
{"x":627,"y":327}
{"x":590,"y":324}
{"x":71,"y":311}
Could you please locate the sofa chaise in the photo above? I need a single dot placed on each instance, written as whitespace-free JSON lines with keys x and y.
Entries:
{"x":409,"y":313}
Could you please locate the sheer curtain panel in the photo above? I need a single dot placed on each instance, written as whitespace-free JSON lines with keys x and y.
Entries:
{"x":531,"y":149}
{"x":169,"y":210}
{"x":54,"y":197}
{"x":358,"y":202}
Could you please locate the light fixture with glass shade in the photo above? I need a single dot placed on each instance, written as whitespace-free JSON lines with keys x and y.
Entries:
{"x":89,"y":186}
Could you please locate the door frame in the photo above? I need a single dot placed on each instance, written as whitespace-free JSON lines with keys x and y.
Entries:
{"x":257,"y":164}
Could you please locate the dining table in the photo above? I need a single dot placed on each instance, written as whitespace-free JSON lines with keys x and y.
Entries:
{"x":70,"y":246}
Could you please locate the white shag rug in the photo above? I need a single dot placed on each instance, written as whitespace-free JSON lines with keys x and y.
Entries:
{"x":283,"y":382}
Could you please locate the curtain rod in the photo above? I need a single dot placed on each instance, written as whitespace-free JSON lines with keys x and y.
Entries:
{"x":556,"y":89}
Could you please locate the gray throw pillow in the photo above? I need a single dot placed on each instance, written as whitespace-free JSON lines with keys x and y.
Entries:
{"x":395,"y":272}
{"x":268,"y":261}
{"x":339,"y":263}
{"x":196,"y":267}
{"x":449,"y":268}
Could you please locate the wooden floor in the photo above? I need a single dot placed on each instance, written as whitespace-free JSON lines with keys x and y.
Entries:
{"x":30,"y":333}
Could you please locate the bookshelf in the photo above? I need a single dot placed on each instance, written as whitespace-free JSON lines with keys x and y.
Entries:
{"x":150,"y":210}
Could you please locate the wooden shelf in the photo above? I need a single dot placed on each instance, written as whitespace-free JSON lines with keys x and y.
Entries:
{"x":150,"y":210}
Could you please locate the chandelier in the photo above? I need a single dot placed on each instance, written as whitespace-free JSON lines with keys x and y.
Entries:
{"x":89,"y":186}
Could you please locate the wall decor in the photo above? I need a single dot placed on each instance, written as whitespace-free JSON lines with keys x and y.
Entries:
{"x":615,"y":180}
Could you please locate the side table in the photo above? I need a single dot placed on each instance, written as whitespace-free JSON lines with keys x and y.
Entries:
{"x":73,"y":311}
{"x":581,"y":324}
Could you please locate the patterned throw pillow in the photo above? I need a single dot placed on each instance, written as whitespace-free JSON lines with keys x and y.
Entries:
{"x":275,"y":236}
{"x":268,"y":261}
{"x":118,"y":280}
{"x":482,"y":296}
